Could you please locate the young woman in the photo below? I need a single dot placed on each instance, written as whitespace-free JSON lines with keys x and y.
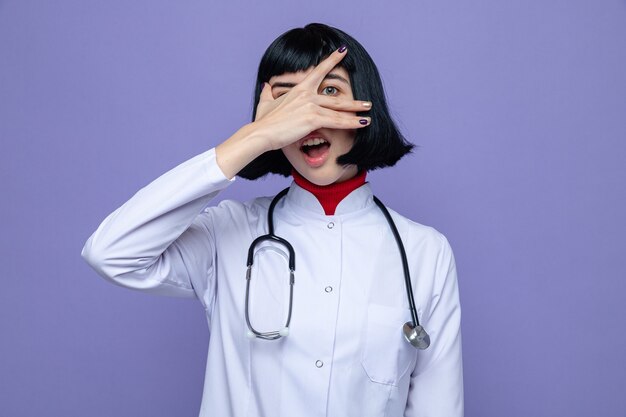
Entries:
{"x":310,"y":320}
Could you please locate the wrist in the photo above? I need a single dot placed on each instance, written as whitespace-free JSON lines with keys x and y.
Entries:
{"x":253,"y":137}
{"x":240,"y":149}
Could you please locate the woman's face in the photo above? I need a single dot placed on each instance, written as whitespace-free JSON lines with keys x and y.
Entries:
{"x":315,"y":155}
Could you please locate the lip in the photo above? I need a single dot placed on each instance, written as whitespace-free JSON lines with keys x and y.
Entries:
{"x":319,"y":160}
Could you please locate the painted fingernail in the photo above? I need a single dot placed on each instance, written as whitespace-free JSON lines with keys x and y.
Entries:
{"x":342,"y":49}
{"x":364,"y":122}
{"x":367,"y":104}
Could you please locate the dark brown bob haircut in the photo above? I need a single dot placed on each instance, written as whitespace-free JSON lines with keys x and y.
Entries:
{"x":378,"y":145}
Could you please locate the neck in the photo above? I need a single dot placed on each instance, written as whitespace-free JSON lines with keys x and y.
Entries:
{"x":331,"y":195}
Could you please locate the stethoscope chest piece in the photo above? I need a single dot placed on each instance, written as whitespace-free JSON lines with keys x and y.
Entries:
{"x":416,"y":335}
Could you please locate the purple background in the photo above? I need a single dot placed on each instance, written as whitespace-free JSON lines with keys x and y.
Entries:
{"x":519,"y":108}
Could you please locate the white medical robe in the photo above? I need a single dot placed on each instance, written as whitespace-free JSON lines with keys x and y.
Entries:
{"x":345,"y":354}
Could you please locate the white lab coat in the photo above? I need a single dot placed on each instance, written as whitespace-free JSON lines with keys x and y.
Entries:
{"x":345,"y":354}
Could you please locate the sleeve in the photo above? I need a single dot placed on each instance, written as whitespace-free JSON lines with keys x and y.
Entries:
{"x":156,"y":241}
{"x":436,"y":388}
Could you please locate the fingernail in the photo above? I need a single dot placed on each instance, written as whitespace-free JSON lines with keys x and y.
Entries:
{"x":364,"y":122}
{"x":367,"y":104}
{"x":342,"y":49}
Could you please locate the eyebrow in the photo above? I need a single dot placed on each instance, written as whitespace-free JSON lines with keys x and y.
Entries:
{"x":327,"y":77}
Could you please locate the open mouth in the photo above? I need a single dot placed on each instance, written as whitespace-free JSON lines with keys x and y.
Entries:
{"x":315,"y":147}
{"x":315,"y":151}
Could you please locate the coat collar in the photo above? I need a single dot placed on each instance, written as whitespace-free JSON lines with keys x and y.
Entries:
{"x":302,"y":200}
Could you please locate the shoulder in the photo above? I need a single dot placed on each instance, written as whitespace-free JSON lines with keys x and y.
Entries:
{"x":419,"y":231}
{"x":235,"y":207}
{"x":233,"y":213}
{"x":421,"y":237}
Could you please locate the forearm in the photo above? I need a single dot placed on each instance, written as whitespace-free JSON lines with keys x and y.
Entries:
{"x":136,"y":234}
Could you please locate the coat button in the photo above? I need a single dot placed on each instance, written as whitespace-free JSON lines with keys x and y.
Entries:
{"x":319,"y":363}
{"x":330,"y":225}
{"x":328,"y":289}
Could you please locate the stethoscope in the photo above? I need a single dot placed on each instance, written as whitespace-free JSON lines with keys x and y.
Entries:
{"x":413,"y":332}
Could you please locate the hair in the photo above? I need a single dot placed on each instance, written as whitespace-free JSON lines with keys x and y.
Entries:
{"x":375,"y":146}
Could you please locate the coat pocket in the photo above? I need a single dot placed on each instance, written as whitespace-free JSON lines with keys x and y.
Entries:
{"x":387,"y":356}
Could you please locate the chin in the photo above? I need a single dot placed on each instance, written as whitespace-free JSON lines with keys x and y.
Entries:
{"x":322,"y":181}
{"x":323,"y":177}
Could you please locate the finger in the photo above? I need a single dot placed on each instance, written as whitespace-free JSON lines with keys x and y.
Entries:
{"x":332,"y":119}
{"x":336,"y":103}
{"x":266,"y":93}
{"x":315,"y":77}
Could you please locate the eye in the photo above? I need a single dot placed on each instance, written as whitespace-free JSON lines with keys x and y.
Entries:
{"x":330,"y":91}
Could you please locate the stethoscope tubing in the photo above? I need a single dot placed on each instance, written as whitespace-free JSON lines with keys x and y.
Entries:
{"x":273,"y":335}
{"x":405,"y":262}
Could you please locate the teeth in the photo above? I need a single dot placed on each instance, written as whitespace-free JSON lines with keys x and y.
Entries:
{"x":314,"y":141}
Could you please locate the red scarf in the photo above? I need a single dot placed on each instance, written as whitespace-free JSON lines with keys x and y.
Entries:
{"x":331,"y":195}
